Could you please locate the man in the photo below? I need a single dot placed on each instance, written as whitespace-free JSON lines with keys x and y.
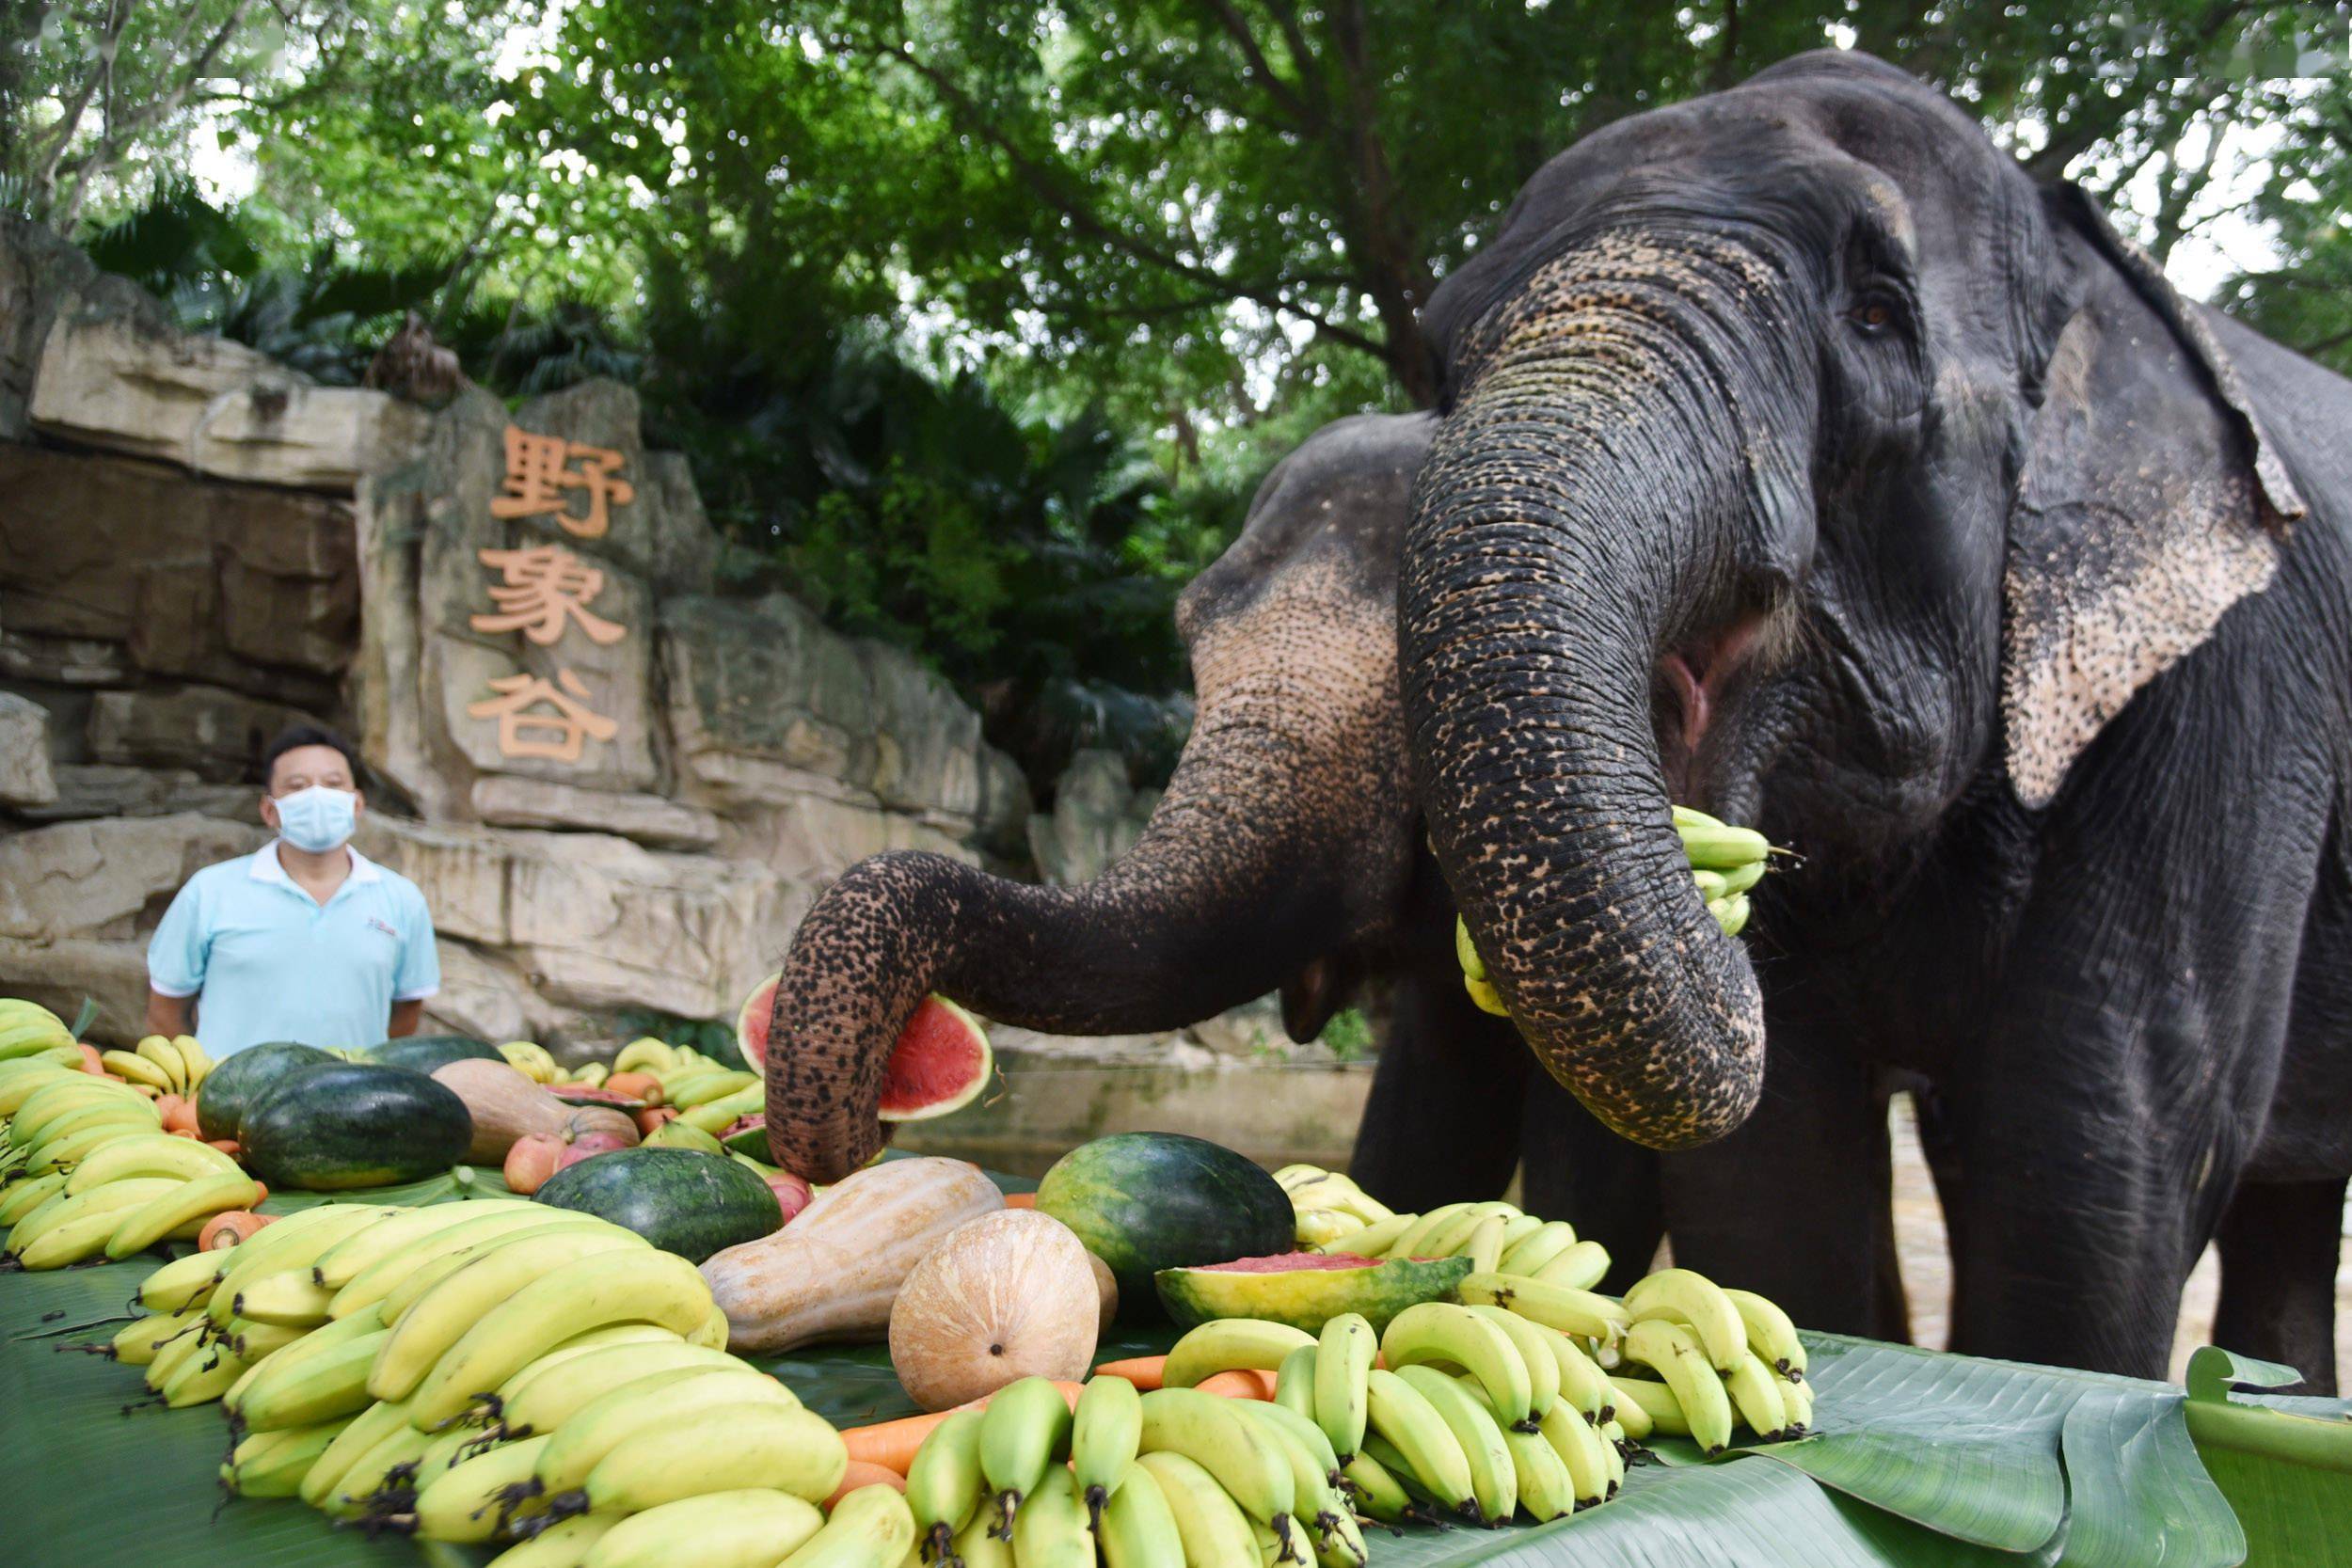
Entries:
{"x":303,"y":940}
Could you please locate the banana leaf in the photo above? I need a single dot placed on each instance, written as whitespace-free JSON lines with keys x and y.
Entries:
{"x":2284,"y":1463}
{"x":1925,"y":1460}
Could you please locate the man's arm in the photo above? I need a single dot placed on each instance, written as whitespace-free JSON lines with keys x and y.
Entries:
{"x":169,"y":1015}
{"x":406,"y":1016}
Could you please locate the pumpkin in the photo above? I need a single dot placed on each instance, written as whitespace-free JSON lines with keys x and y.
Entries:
{"x":1107,"y":1285}
{"x":832,"y":1272}
{"x":506,"y":1107}
{"x":1008,"y":1295}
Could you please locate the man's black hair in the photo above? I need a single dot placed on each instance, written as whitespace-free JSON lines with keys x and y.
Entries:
{"x":295,"y":736}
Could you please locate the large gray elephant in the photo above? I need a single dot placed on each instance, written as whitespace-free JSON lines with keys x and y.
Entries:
{"x":1802,"y":461}
{"x":1282,"y":855}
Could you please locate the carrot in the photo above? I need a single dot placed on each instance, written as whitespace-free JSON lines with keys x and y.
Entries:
{"x":892,"y":1445}
{"x":1142,"y":1371}
{"x":93,"y":1063}
{"x":179,"y":1115}
{"x":1021,"y":1200}
{"x":1239,"y":1384}
{"x":229,"y":1228}
{"x":859,"y":1474}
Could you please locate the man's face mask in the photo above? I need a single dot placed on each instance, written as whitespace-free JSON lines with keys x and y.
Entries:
{"x":318,"y":819}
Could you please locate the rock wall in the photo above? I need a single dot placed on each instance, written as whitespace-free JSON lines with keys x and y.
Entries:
{"x":198,"y":545}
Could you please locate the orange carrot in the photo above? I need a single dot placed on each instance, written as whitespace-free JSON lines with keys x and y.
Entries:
{"x":1239,"y":1384}
{"x":1021,"y":1200}
{"x":1142,"y":1371}
{"x":93,"y":1063}
{"x":859,"y":1474}
{"x":229,"y":1228}
{"x":892,"y":1444}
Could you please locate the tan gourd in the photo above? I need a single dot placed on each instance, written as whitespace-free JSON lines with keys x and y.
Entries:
{"x":1005,"y":1296}
{"x":506,"y":1106}
{"x":833,"y":1271}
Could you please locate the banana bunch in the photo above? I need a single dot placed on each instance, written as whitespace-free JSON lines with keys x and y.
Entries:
{"x":707,"y":1094}
{"x":29,"y":1029}
{"x":177,"y":1065}
{"x":1726,"y":861}
{"x":1333,"y":1214}
{"x":1686,"y":1356}
{"x":532,"y":1060}
{"x":1155,"y":1479}
{"x":1471,"y":1411}
{"x":91,"y":1172}
{"x":490,"y":1368}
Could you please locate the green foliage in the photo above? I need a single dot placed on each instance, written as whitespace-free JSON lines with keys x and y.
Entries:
{"x":1348,"y":1036}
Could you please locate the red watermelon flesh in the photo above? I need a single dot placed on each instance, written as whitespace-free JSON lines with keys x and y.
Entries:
{"x":1285,"y":1262}
{"x":941,"y":1063}
{"x":752,"y":1018}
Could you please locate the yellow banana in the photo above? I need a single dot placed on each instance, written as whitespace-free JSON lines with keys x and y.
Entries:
{"x":326,"y":1381}
{"x":400,"y":1277}
{"x":1643,"y":1407}
{"x":728,"y":1449}
{"x":1053,"y":1529}
{"x":749,"y":1528}
{"x":342,"y":1263}
{"x":156,"y":1154}
{"x":1207,"y":1430}
{"x":135,"y":1343}
{"x":1224,"y":1344}
{"x":1533,"y":1342}
{"x":1672,"y":1350}
{"x":272,"y":1463}
{"x":1211,"y":1527}
{"x":543,"y":1397}
{"x":475,"y":1497}
{"x":167,"y":1058}
{"x":189,"y":1204}
{"x":1569,"y":1311}
{"x":184,"y":1281}
{"x":132,"y":1068}
{"x":1578,"y":1444}
{"x":67,"y":1230}
{"x":1770,"y":1333}
{"x":1456,"y":1335}
{"x":564,"y":1543}
{"x":444,"y":1314}
{"x":1688,"y":1297}
{"x":1432,"y":1455}
{"x":869,"y":1526}
{"x":1344,"y":1359}
{"x":1494,"y":1478}
{"x":1580,"y":1267}
{"x":289,"y":1296}
{"x":585,"y":1439}
{"x":1138,"y":1529}
{"x":1755,"y":1390}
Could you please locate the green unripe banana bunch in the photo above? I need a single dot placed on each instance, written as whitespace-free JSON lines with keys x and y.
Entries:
{"x":1726,"y":861}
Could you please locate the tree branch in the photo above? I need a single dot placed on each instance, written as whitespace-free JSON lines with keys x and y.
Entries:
{"x":1237,"y":27}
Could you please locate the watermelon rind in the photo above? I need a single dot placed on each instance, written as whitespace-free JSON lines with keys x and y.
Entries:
{"x":1147,"y":1201}
{"x":751,"y":1020}
{"x":1307,"y":1298}
{"x":963,"y":1093}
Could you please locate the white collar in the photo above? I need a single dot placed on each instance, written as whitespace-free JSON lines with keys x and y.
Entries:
{"x":265,"y":867}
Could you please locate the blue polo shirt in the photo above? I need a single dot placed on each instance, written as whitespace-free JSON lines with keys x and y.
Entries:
{"x":269,"y":962}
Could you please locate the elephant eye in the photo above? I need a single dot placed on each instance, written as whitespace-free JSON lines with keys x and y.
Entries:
{"x":1875,"y":315}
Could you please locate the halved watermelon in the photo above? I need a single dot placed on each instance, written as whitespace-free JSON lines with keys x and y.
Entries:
{"x":941,"y":1062}
{"x":1305,"y":1288}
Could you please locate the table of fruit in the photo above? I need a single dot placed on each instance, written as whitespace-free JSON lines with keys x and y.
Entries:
{"x":443,"y":1300}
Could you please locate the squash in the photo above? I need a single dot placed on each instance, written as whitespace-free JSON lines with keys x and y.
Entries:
{"x":1008,"y":1295}
{"x":507,"y":1106}
{"x":832,"y":1272}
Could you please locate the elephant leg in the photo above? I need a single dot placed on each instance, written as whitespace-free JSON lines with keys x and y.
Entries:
{"x":2280,"y":1245}
{"x":1794,"y":1203}
{"x":1573,"y":1168}
{"x":1442,"y":1122}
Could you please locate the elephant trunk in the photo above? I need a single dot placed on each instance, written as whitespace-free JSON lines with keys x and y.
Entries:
{"x":1586,"y":519}
{"x":1293,"y":778}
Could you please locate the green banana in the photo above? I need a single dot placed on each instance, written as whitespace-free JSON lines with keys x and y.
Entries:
{"x":1673,"y":1352}
{"x":945,"y":1488}
{"x":1494,"y":1479}
{"x":868,"y":1526}
{"x":1210,"y":1526}
{"x":1377,"y":1493}
{"x":1710,"y":845}
{"x":1343,"y":1360}
{"x":1137,"y":1528}
{"x":1294,"y":1384}
{"x":310,"y":1381}
{"x":1027,"y":1427}
{"x":747,"y":1529}
{"x":366,"y":1430}
{"x":1209,"y":1431}
{"x":1053,"y":1529}
{"x":184,"y":1281}
{"x":272,"y":1463}
{"x":1104,"y":1434}
{"x":728,"y":1449}
{"x":1457,"y":1335}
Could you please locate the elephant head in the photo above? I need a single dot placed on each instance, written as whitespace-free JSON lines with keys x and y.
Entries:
{"x":1280,"y":850}
{"x":1803,"y":462}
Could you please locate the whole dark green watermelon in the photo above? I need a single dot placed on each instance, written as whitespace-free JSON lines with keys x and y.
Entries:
{"x":680,"y":1199}
{"x":353,"y":1125}
{"x":1147,"y":1201}
{"x":239,"y":1079}
{"x":429,"y":1053}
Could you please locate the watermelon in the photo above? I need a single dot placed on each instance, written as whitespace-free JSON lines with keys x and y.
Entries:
{"x":941,"y":1062}
{"x":429,"y":1053}
{"x":1147,"y":1201}
{"x":240,"y":1079}
{"x":1303,"y":1289}
{"x":679,"y":1199}
{"x":345,"y":1125}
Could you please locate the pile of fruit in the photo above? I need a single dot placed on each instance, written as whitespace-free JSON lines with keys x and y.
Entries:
{"x":503,"y":1369}
{"x":1336,"y":1215}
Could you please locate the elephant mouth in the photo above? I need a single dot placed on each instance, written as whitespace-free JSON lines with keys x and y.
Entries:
{"x":1692,"y":683}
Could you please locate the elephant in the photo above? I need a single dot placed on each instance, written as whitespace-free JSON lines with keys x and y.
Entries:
{"x":1802,"y":461}
{"x":1283,"y":853}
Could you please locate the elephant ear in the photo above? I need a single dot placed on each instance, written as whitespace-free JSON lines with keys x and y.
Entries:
{"x":2149,"y":501}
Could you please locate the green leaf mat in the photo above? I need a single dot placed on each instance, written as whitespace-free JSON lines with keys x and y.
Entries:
{"x":1924,"y":1458}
